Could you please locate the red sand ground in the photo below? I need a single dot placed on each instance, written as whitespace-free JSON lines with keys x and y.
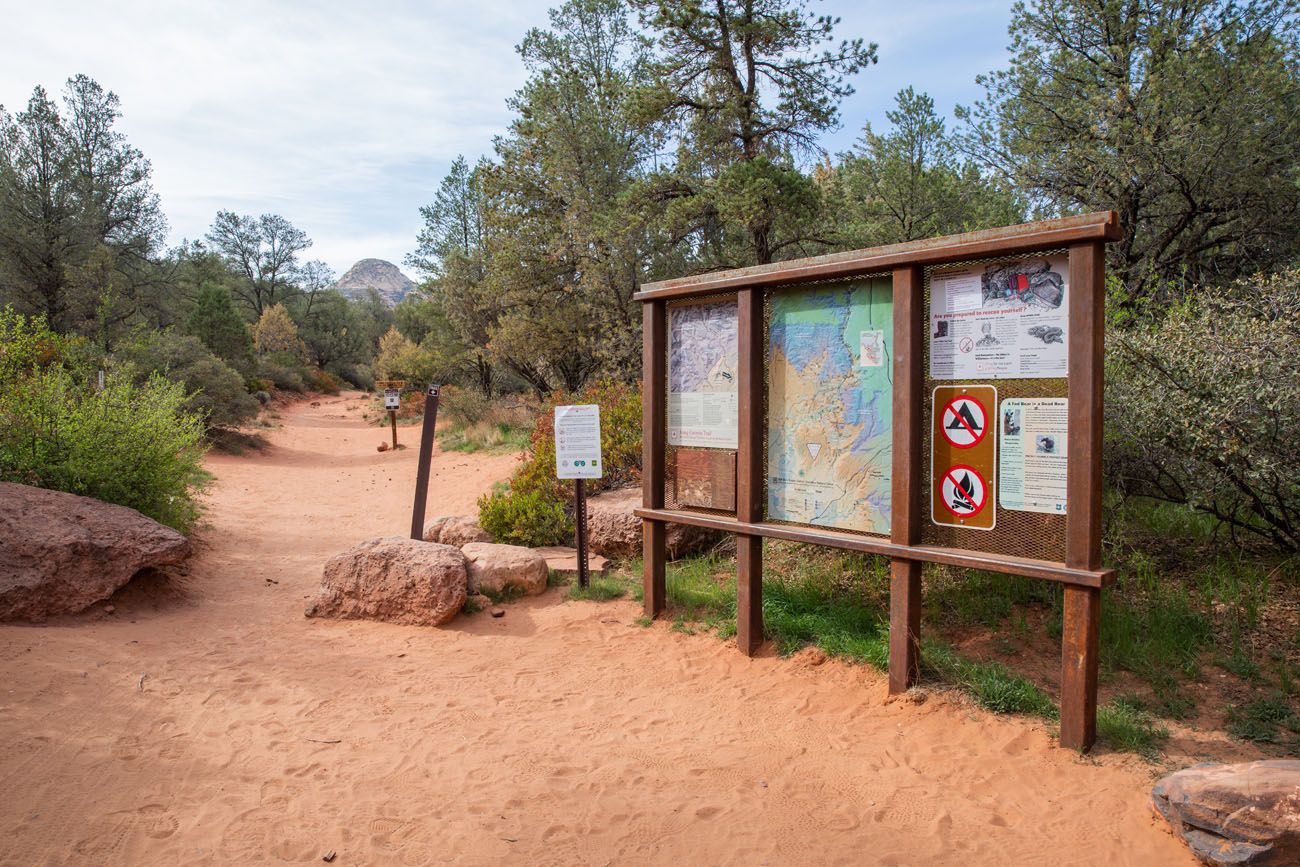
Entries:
{"x":207,"y":721}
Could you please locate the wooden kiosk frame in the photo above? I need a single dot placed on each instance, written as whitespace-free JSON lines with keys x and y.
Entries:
{"x":1081,"y":573}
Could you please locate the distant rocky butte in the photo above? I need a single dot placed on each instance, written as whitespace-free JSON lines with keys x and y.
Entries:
{"x":384,"y":277}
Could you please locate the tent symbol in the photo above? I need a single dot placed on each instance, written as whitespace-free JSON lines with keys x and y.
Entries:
{"x":963,"y":414}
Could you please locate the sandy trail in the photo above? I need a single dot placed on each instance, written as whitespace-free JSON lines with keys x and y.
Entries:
{"x":560,"y":734}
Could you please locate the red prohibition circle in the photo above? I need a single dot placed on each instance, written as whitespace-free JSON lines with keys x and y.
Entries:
{"x":979,"y":438}
{"x":983,"y":484}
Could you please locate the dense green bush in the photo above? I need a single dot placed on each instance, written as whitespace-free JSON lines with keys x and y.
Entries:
{"x":534,"y":486}
{"x":133,"y":443}
{"x":216,"y":390}
{"x":1203,"y":407}
{"x":282,"y":373}
{"x":528,"y":518}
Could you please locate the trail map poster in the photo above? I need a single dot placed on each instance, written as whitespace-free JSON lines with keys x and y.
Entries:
{"x":830,"y":394}
{"x":1033,"y":433}
{"x":1007,"y":320}
{"x":702,"y":357}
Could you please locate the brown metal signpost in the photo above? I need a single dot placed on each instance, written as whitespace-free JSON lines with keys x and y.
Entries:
{"x":427,"y":432}
{"x":959,"y":512}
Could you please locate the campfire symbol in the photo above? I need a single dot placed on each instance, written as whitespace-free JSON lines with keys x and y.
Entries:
{"x":963,"y":494}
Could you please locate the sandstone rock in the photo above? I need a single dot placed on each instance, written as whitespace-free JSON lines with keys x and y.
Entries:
{"x":382,"y":447}
{"x":457,"y":530}
{"x":394,"y":579}
{"x":1247,"y":813}
{"x":564,"y":561}
{"x":483,"y":603}
{"x":60,"y":553}
{"x":614,"y":531}
{"x":494,"y":568}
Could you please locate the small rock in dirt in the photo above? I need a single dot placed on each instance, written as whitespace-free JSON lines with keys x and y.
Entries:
{"x":109,"y":609}
{"x":382,"y":447}
{"x":1245,"y":813}
{"x":482,"y":602}
{"x":498,"y":612}
{"x":315,"y":403}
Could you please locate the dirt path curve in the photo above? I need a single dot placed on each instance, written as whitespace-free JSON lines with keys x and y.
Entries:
{"x":207,"y":721}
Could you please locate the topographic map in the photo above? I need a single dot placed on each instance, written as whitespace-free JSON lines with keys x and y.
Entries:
{"x":829,"y":439}
{"x":702,"y":358}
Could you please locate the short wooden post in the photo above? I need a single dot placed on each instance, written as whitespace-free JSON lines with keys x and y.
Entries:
{"x":905,"y":508}
{"x":1082,"y":614}
{"x":749,"y":470}
{"x":654,"y":393}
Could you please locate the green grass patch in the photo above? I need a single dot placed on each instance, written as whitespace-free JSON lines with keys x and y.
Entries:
{"x":600,"y":589}
{"x":1125,"y":725}
{"x":993,"y":685}
{"x":1263,"y":720}
{"x":489,"y":437}
{"x":507,"y":594}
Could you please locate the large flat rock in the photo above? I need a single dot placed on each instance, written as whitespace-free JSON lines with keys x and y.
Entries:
{"x":60,"y":553}
{"x":1247,"y":813}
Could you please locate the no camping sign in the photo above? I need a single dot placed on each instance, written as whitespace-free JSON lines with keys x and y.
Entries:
{"x":963,"y":457}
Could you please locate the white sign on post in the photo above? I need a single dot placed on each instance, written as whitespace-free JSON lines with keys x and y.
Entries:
{"x":577,"y":442}
{"x":392,"y":398}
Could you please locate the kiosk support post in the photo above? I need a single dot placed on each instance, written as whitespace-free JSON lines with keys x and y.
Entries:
{"x":905,"y":529}
{"x":1081,"y":624}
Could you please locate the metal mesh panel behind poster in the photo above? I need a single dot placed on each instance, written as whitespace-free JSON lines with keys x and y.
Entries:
{"x":700,"y":477}
{"x":1017,"y":533}
{"x":867,"y":327}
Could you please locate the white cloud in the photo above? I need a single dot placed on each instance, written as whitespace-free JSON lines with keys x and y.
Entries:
{"x":343,"y":116}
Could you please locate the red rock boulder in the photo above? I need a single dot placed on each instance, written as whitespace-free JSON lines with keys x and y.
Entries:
{"x":395,"y":579}
{"x":614,"y":531}
{"x":1246,"y":813}
{"x":60,"y":553}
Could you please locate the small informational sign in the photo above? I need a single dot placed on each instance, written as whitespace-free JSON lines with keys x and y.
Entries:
{"x":392,"y":398}
{"x":1033,"y":467}
{"x":1007,"y":320}
{"x":702,"y":354}
{"x":963,"y":459}
{"x":577,"y":442}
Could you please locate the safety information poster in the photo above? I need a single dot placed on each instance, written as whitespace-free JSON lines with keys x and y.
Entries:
{"x":1007,"y":320}
{"x":1033,"y":468}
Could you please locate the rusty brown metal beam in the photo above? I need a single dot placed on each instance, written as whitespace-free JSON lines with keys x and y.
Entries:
{"x":1025,"y":238}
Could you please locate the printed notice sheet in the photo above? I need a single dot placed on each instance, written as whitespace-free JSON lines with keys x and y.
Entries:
{"x":1033,"y":432}
{"x":577,"y":442}
{"x":703,"y":349}
{"x":1007,"y":320}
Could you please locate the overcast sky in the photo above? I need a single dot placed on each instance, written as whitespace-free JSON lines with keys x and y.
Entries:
{"x":344,"y":116}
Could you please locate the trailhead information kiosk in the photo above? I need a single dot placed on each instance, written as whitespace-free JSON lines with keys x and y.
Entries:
{"x":935,"y":401}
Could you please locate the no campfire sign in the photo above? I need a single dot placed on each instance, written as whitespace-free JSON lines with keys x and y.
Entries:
{"x":963,"y":459}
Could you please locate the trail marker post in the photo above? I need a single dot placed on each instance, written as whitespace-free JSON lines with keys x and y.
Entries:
{"x":392,"y":401}
{"x":427,"y":433}
{"x":577,"y":457}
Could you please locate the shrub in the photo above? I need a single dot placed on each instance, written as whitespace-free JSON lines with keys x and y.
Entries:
{"x":282,"y":376}
{"x":525,"y":518}
{"x":534,"y":485}
{"x":322,"y":381}
{"x":1203,"y":407}
{"x":133,"y":443}
{"x":216,"y":390}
